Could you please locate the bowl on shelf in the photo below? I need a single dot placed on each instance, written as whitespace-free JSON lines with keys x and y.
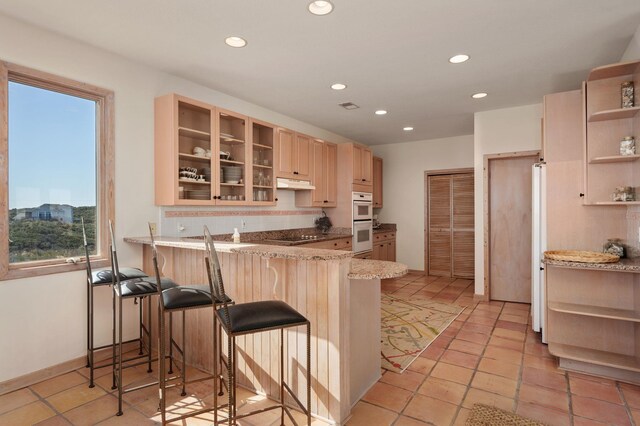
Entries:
{"x":232,"y":174}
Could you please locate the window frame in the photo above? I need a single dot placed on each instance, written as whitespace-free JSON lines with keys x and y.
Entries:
{"x":105,"y":168}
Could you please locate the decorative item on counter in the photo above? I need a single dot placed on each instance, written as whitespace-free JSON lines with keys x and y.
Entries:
{"x":614,"y":246}
{"x":624,"y":193}
{"x":628,"y":146}
{"x":627,"y":94}
{"x":323,"y":223}
{"x":236,"y":236}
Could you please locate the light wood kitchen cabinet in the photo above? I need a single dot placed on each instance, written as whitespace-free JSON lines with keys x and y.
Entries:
{"x":377,"y":182}
{"x":362,"y":165}
{"x":606,"y":124}
{"x":384,"y":246}
{"x":337,"y":244}
{"x":323,"y":177}
{"x":294,"y":155}
{"x":195,"y":135}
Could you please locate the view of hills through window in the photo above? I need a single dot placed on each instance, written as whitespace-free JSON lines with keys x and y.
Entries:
{"x":52,"y":173}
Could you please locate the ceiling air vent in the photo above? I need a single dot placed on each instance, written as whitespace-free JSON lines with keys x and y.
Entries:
{"x":349,"y":105}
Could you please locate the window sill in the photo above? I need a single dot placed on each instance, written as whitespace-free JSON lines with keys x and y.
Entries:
{"x":18,"y":271}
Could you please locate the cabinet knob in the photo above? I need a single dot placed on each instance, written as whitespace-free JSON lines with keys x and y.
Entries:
{"x":325,"y":201}
{"x":276,"y":199}
{"x":335,"y":244}
{"x":363,"y":180}
{"x":295,"y":173}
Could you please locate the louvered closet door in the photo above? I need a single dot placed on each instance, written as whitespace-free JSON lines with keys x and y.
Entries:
{"x":451,"y":225}
{"x":463,"y":226}
{"x":440,"y":225}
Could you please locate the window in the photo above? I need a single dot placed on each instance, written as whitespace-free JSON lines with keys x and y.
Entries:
{"x":56,"y":169}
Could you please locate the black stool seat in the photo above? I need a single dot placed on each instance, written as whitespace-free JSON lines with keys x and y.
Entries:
{"x":182,"y":297}
{"x":105,"y":276}
{"x":256,"y":316}
{"x":140,"y":287}
{"x":207,"y":289}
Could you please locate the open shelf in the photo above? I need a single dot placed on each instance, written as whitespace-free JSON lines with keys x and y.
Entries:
{"x":232,"y":184}
{"x":192,"y":157}
{"x":260,"y":146}
{"x":614,"y":114}
{"x":193,"y":133}
{"x":194,"y":182}
{"x":595,"y":311}
{"x":230,"y":141}
{"x":232,"y":162}
{"x":616,"y":70}
{"x":263,"y":186}
{"x":614,"y":159}
{"x":593,"y":356}
{"x":260,"y":166}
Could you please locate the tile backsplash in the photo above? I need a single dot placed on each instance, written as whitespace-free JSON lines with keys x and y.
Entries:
{"x":189,"y":221}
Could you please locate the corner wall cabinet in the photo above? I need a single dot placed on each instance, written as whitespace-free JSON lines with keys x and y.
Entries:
{"x":606,"y":124}
{"x":323,"y":172}
{"x":209,"y":156}
{"x":377,"y":182}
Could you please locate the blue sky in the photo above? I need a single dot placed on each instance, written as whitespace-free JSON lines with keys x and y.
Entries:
{"x":52,"y":149}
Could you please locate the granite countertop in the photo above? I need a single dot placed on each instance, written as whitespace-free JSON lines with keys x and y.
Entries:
{"x":263,"y":250}
{"x":624,"y":265}
{"x":385,"y":227}
{"x":362,"y":269}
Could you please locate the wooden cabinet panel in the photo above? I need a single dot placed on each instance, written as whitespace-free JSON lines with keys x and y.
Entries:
{"x":391,"y":251}
{"x":440,"y":253}
{"x":384,"y":246}
{"x":367,"y":165}
{"x":377,"y":182}
{"x":331,"y":173}
{"x":285,"y":151}
{"x":357,"y":164}
{"x":302,"y":164}
{"x":322,"y":175}
{"x":318,"y":173}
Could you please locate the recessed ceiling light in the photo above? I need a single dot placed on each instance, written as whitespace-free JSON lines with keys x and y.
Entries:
{"x":381,"y":112}
{"x":478,"y":95}
{"x":458,"y":59}
{"x":320,"y":7}
{"x":338,"y":86}
{"x":235,"y":41}
{"x":408,"y":129}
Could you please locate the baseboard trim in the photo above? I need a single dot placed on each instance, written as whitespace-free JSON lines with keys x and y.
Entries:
{"x":56,"y":370}
{"x":416,"y":271}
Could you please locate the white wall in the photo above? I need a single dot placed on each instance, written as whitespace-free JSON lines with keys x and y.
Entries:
{"x":42,"y":320}
{"x":497,"y":131}
{"x":633,"y":50}
{"x":403,"y":185}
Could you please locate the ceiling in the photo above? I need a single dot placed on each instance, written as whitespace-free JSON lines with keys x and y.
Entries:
{"x":392,"y":54}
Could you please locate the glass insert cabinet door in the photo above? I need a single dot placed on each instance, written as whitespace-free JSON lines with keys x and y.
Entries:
{"x":52,"y":173}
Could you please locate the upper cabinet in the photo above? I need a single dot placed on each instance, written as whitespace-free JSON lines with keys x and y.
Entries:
{"x":608,"y":122}
{"x":362,"y":165}
{"x":293,"y":155}
{"x":208,"y":156}
{"x":323,"y":171}
{"x":377,"y":182}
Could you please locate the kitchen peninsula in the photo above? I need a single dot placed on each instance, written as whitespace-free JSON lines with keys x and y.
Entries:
{"x":340,"y":296}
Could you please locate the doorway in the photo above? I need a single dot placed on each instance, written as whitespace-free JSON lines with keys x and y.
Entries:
{"x":507,"y":221}
{"x":449,"y":223}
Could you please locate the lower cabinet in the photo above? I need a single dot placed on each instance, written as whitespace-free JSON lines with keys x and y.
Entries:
{"x":338,"y":244}
{"x":384,"y":246}
{"x":593,"y":321}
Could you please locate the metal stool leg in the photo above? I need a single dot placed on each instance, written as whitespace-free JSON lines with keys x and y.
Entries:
{"x":149,"y":333}
{"x":309,"y":374}
{"x":90,"y":334}
{"x":139,"y":303}
{"x":282,"y":376}
{"x":119,"y":413}
{"x":162,"y":379}
{"x":219,"y":359}
{"x":113,"y":337}
{"x":184,"y":356}
{"x":170,"y":343}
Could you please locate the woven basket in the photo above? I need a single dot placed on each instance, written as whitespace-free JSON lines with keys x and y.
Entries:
{"x":581,"y":256}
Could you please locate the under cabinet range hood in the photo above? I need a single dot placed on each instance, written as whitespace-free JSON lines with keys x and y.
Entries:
{"x":294,"y":184}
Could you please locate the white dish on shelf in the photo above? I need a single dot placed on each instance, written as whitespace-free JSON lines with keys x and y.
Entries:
{"x":232,"y":181}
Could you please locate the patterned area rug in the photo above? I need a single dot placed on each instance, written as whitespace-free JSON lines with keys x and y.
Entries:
{"x":485,"y":415}
{"x":409,"y":325}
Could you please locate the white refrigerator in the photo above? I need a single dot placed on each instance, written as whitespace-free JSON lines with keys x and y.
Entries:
{"x":539,"y":245}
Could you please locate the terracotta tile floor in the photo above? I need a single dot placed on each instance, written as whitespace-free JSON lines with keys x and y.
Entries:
{"x":487,"y":355}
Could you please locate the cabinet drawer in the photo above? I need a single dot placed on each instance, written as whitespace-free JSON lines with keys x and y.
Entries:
{"x":340,"y":244}
{"x":384,"y":236}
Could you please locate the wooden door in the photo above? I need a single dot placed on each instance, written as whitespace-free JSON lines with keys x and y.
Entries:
{"x":285,"y":142}
{"x":450,"y":225}
{"x":302,"y":154}
{"x":330,"y":172}
{"x":377,"y":182}
{"x":463,"y":259}
{"x":509,"y":211}
{"x":318,"y":195}
{"x":391,"y":251}
{"x":439,"y":213}
{"x":367,"y":165}
{"x":357,"y":164}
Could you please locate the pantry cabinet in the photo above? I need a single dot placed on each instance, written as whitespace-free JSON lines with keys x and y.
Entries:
{"x":607,"y":123}
{"x":293,"y":154}
{"x":206,"y":155}
{"x":362,"y":165}
{"x":377,"y":182}
{"x":323,"y":171}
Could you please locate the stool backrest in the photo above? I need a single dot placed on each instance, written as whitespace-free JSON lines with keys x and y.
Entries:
{"x":214,"y":274}
{"x":86,"y":251}
{"x":156,"y":270}
{"x":115,"y":269}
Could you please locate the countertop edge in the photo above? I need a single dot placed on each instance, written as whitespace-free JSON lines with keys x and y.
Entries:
{"x":362,"y":269}
{"x":624,"y":265}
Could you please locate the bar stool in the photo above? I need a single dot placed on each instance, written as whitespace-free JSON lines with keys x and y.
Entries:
{"x":123,"y":289}
{"x":105,"y":277}
{"x":250,"y":318}
{"x":181,"y":299}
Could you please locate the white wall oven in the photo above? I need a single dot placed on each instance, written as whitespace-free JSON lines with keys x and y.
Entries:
{"x":362,"y":222}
